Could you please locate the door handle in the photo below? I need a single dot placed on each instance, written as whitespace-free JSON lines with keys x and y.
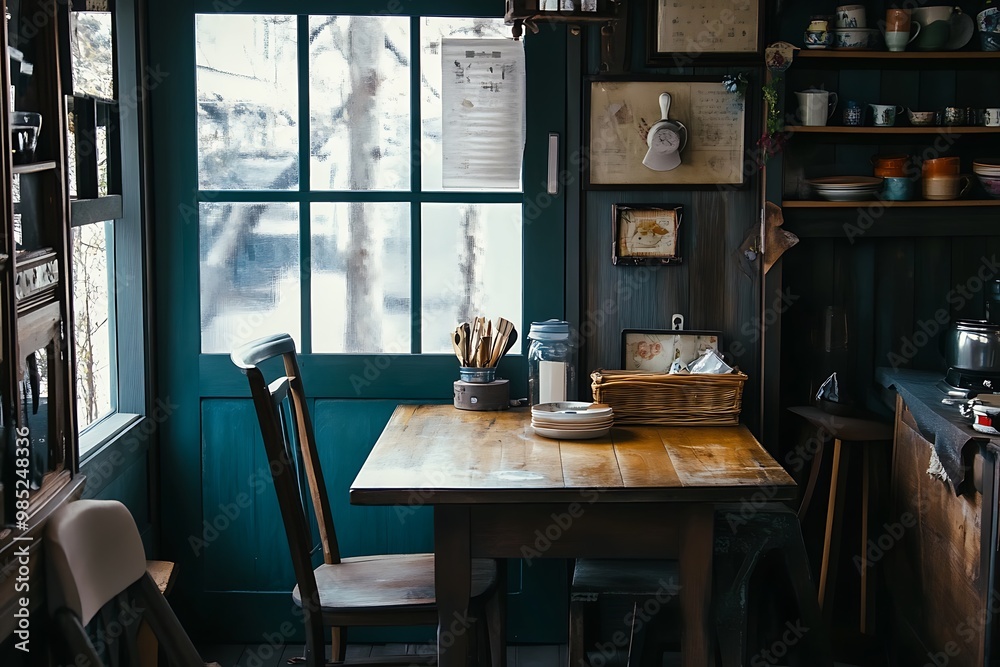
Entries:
{"x":552,"y":183}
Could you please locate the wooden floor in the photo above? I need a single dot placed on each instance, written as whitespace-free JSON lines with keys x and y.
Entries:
{"x":265,"y":655}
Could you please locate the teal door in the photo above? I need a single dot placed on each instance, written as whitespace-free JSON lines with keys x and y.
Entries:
{"x":313,"y":175}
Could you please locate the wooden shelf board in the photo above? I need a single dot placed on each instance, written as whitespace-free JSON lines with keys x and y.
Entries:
{"x":834,"y":54}
{"x":951,"y":203}
{"x":34,"y":167}
{"x":932,"y":129}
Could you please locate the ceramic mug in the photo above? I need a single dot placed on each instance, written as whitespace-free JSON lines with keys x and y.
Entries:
{"x":897,"y":20}
{"x":941,"y":166}
{"x":884,"y":115}
{"x":851,"y":16}
{"x":898,"y":188}
{"x":936,"y":26}
{"x":892,"y":166}
{"x":940,"y":188}
{"x":953,"y":116}
{"x":816,"y":106}
{"x":991,"y":117}
{"x":896,"y":40}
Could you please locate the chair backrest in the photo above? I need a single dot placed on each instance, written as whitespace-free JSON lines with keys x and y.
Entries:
{"x":285,"y":425}
{"x":93,"y":553}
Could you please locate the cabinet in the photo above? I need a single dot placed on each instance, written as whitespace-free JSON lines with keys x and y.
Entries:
{"x":920,"y":81}
{"x":874,"y":284}
{"x":38,"y":466}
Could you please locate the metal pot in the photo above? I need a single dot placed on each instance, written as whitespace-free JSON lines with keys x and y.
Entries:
{"x":973,"y":345}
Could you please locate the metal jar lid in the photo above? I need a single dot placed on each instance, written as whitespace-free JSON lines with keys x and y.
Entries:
{"x":549,"y":330}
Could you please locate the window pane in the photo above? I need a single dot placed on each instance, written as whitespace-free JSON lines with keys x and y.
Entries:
{"x":359,"y":97}
{"x":471,"y":265}
{"x":361,"y":277}
{"x":432,"y":31}
{"x":91,"y":54}
{"x":249,"y":273}
{"x":247,"y":102}
{"x":95,"y":348}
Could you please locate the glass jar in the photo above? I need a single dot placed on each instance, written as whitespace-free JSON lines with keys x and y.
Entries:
{"x":551,"y":363}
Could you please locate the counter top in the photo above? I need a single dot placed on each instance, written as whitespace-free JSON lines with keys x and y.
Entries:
{"x":940,"y":424}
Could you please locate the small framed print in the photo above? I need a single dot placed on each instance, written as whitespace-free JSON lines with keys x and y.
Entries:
{"x":646,"y":235}
{"x":682,"y":34}
{"x":656,"y":350}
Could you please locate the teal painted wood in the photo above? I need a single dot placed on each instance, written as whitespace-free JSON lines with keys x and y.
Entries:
{"x":231,"y":462}
{"x":130,"y":488}
{"x":204,"y":460}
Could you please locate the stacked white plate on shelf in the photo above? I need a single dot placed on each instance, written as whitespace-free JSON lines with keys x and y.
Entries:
{"x":988,"y":171}
{"x":572,"y":420}
{"x":847,"y":188}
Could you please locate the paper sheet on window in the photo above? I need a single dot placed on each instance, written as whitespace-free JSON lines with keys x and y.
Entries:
{"x":483,"y":103}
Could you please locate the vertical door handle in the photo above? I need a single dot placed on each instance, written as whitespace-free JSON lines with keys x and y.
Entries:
{"x":553,"y":179}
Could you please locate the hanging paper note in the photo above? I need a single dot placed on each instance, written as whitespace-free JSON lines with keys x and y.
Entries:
{"x":483,"y":104}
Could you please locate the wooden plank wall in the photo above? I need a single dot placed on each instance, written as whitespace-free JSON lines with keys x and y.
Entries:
{"x":712,"y":288}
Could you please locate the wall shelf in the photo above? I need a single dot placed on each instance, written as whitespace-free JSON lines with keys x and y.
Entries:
{"x":891,"y":60}
{"x":950,"y":203}
{"x":930,"y":129}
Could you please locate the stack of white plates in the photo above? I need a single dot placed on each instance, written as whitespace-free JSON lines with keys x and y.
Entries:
{"x":571,"y":420}
{"x":988,"y":171}
{"x":847,"y":188}
{"x":985,"y":166}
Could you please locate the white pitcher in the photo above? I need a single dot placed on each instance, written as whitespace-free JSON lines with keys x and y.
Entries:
{"x":816,"y":106}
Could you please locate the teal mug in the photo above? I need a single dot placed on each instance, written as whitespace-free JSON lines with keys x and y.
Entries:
{"x":899,"y":188}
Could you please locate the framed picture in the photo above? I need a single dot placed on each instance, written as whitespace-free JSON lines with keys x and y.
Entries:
{"x":687,"y":132}
{"x":685,"y":34}
{"x":646,"y":235}
{"x":655,"y":350}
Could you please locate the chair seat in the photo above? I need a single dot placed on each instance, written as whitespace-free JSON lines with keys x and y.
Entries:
{"x":625,"y":577}
{"x":366,"y":584}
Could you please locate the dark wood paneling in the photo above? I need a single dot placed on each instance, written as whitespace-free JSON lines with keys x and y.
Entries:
{"x":933,"y":570}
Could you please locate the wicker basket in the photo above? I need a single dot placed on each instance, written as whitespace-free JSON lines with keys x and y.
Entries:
{"x":640,"y":397}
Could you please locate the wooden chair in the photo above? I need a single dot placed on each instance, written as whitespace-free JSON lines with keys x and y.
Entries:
{"x":94,"y":556}
{"x":343,"y":592}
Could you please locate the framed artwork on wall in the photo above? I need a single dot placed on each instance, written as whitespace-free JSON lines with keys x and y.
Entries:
{"x":656,"y":350}
{"x":646,"y":235}
{"x":685,"y":34}
{"x":686,"y":132}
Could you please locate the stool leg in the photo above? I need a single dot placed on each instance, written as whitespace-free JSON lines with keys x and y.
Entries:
{"x":577,"y":652}
{"x":814,"y":469}
{"x":867,"y":524}
{"x":834,"y":518}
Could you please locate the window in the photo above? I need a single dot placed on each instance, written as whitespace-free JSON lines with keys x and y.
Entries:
{"x":105,"y":219}
{"x":323,"y":209}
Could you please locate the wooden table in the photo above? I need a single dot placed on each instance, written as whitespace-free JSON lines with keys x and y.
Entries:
{"x":500,"y":491}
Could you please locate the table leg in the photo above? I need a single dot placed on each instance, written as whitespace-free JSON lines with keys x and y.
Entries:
{"x":696,"y":549}
{"x":452,"y":584}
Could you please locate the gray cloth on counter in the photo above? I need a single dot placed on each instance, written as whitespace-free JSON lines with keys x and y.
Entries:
{"x":942,"y":425}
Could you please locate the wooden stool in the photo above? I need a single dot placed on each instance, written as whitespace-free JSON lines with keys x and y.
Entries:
{"x":844,"y":430}
{"x":740,"y":541}
{"x":741,"y":538}
{"x":164,"y":573}
{"x":648,"y":584}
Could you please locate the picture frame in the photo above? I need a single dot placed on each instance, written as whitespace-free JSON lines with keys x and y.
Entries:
{"x":709,"y":31}
{"x":654,"y":350}
{"x":646,"y":235}
{"x":700,"y":144}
